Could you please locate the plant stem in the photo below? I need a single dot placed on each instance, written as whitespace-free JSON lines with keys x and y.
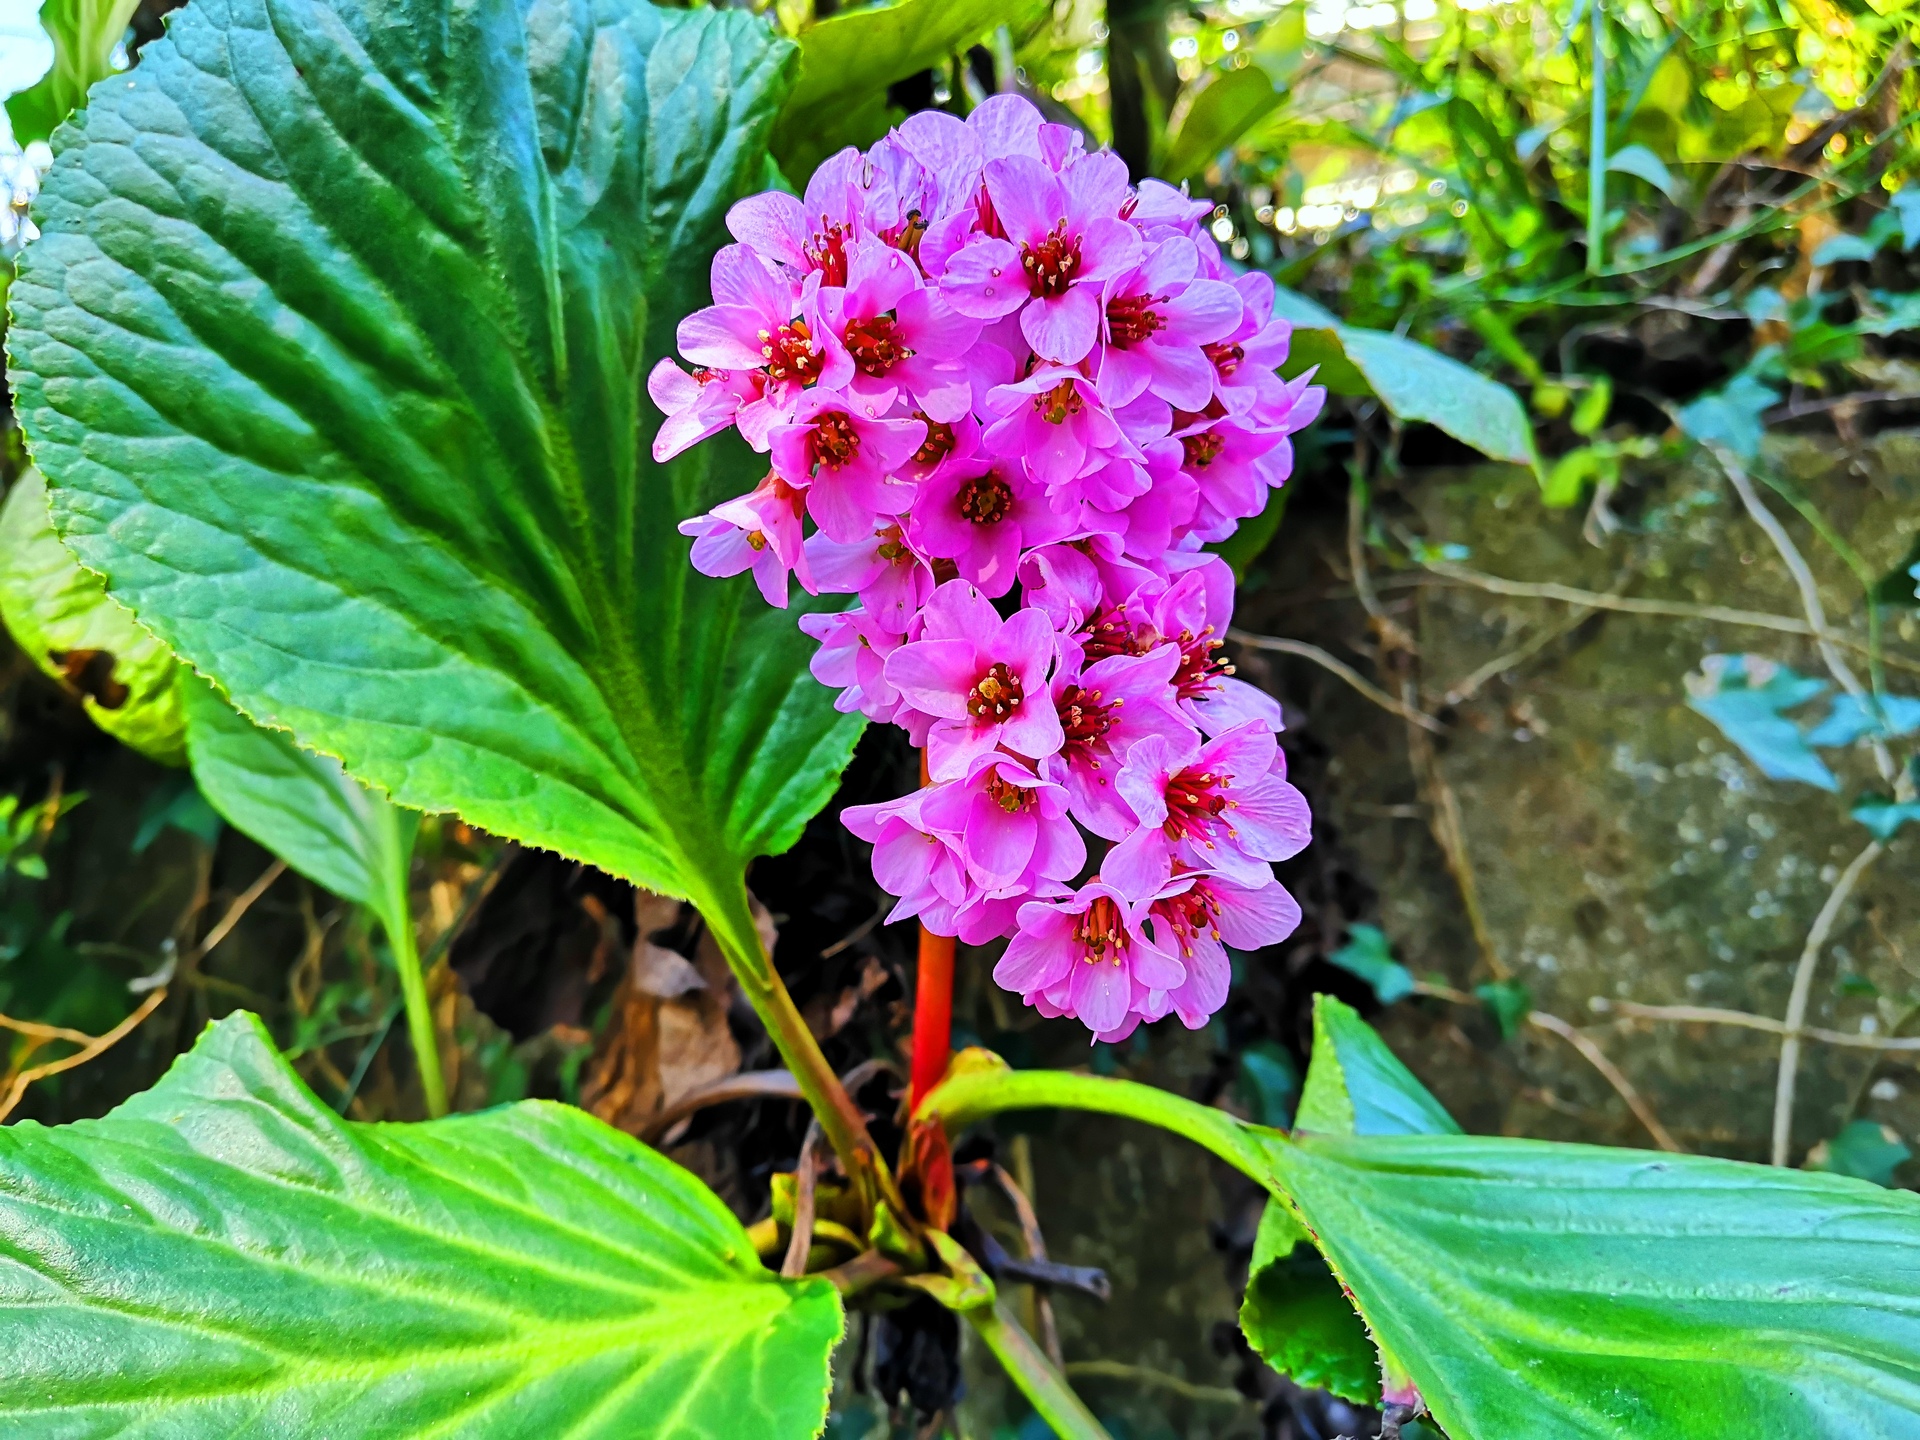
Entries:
{"x":1045,"y":1387}
{"x":395,"y":910}
{"x":1597,"y":149}
{"x":974,"y":1094}
{"x":932,"y":1013}
{"x":731,"y":921}
{"x":932,"y":1004}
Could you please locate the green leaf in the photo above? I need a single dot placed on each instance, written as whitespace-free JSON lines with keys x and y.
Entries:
{"x":223,"y":1255}
{"x":1745,"y":697}
{"x":848,"y":60}
{"x":1368,"y":955}
{"x":333,"y":352}
{"x":59,"y":614}
{"x":1883,"y":818}
{"x":1840,"y":248}
{"x":84,"y":34}
{"x":1731,"y":415}
{"x":1413,"y":382}
{"x":1249,"y":542}
{"x":1357,"y":1086}
{"x":1529,"y":1288}
{"x":1566,"y":1290}
{"x":1508,"y":1002}
{"x":1230,"y":105}
{"x":1863,"y":1150}
{"x":1906,"y":205}
{"x":1641,"y":163}
{"x":324,"y":824}
{"x":1296,"y":1318}
{"x":301,"y":806}
{"x":1416,"y":383}
{"x":1267,"y":1082}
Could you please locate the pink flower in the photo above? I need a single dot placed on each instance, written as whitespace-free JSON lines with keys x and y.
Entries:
{"x":1245,"y":360}
{"x":852,"y":658}
{"x":898,"y":334}
{"x":1063,"y":239}
{"x":755,"y":324}
{"x":845,"y":456}
{"x":1228,"y":460}
{"x":975,"y":673}
{"x":1223,"y":807}
{"x":698,"y":405}
{"x":982,"y":517}
{"x":809,"y":235}
{"x":1058,"y":422}
{"x":760,"y":531}
{"x":880,"y":568}
{"x":1104,"y":711}
{"x":913,"y":860}
{"x":1157,"y":316}
{"x":1089,"y":956}
{"x":1197,"y":916}
{"x":1012,"y":826}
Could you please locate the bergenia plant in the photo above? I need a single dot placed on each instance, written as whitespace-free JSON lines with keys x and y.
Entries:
{"x":1015,"y":397}
{"x":352,"y":351}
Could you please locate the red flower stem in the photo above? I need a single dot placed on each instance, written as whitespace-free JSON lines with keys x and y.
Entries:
{"x":932,"y":1005}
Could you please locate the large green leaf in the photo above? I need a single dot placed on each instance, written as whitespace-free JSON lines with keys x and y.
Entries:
{"x":333,"y":351}
{"x":848,"y":60}
{"x":223,"y":1255}
{"x":84,"y":34}
{"x":1528,"y":1288}
{"x":1567,"y":1290}
{"x":59,"y":614}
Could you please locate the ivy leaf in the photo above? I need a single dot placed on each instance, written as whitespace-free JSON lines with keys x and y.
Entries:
{"x":1883,"y":818}
{"x":1368,"y":955}
{"x":1744,"y":696}
{"x":333,"y":353}
{"x":1863,"y":1150}
{"x":1731,"y":415}
{"x":1508,"y":1002}
{"x":59,"y":614}
{"x":85,"y":34}
{"x":223,"y":1255}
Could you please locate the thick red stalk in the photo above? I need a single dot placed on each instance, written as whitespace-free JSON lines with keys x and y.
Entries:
{"x":932,"y":1005}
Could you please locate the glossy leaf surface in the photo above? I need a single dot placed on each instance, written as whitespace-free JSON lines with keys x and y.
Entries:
{"x":60,"y":615}
{"x":333,"y":350}
{"x":1357,"y":1086}
{"x":225,"y":1256}
{"x":1532,"y":1288}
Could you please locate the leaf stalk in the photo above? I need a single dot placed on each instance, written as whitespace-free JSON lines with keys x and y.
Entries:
{"x":729,"y":918}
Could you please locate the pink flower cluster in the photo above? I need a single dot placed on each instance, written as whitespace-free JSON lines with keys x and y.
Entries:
{"x":1016,"y":396}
